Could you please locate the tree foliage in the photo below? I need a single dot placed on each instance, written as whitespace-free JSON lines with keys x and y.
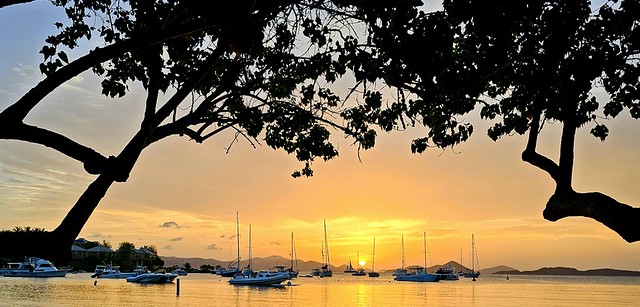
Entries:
{"x":523,"y":64}
{"x":258,"y":68}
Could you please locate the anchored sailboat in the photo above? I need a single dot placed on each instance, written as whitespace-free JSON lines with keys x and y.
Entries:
{"x":326,"y":268}
{"x":231,"y":271}
{"x":474,"y":259}
{"x":373,"y":272}
{"x":420,"y":274}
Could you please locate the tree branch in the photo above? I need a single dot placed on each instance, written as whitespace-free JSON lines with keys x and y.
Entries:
{"x":530,"y":155}
{"x":94,"y":162}
{"x":4,"y":3}
{"x":619,"y":217}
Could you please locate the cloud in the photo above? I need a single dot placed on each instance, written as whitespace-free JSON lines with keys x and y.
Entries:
{"x":176,"y":239}
{"x":167,"y":247}
{"x":213,"y":247}
{"x":170,"y":224}
{"x":222,"y":236}
{"x":274,"y":243}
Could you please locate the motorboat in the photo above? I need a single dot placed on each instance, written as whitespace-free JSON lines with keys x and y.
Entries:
{"x":180,"y":272}
{"x":281,"y":269}
{"x":260,"y":278}
{"x":359,"y":272}
{"x":419,"y":276}
{"x":447,"y":273}
{"x":109,"y":271}
{"x":34,"y":267}
{"x":153,"y":278}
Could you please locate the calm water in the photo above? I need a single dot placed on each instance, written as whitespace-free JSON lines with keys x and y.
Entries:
{"x":341,"y":290}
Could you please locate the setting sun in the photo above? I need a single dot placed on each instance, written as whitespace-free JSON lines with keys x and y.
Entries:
{"x":362,"y":262}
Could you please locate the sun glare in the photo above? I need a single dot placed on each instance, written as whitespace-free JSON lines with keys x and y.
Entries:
{"x":362,"y":262}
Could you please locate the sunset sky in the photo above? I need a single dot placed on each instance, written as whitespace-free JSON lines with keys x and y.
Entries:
{"x":183,"y":197}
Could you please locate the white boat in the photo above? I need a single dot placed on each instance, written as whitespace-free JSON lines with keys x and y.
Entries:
{"x":180,"y":272}
{"x":418,"y":273}
{"x":153,"y":278}
{"x":108,"y":271}
{"x":474,"y":259}
{"x":34,"y":267}
{"x":260,"y":278}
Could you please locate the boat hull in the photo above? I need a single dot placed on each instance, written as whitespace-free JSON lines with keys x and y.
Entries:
{"x":374,"y":274}
{"x":229,"y":273}
{"x":152,"y":278}
{"x":59,"y":273}
{"x":419,"y":278}
{"x":259,"y":280}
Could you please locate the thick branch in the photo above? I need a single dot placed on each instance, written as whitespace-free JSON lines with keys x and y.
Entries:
{"x":94,"y":162}
{"x":19,"y":110}
{"x":4,"y":3}
{"x":619,"y":217}
{"x":532,"y":157}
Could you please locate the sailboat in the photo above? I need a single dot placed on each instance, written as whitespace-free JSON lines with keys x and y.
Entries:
{"x":231,"y":271}
{"x":360,"y":271}
{"x":401,"y":271}
{"x":326,"y":268}
{"x":350,"y":268}
{"x":373,"y":272}
{"x":420,"y":274}
{"x":474,"y":259}
{"x":293,"y":268}
{"x":261,"y":278}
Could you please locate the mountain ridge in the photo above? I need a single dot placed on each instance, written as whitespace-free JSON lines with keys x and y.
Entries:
{"x":307,"y":266}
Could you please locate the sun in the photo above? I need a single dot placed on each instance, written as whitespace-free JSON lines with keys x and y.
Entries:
{"x":362,"y":262}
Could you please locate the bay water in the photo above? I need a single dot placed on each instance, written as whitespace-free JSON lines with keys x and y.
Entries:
{"x":338,"y":291}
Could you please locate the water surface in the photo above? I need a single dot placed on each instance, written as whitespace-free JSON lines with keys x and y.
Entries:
{"x":339,"y":291}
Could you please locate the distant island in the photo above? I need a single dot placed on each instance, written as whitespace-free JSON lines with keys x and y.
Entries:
{"x":571,"y":272}
{"x":307,"y":266}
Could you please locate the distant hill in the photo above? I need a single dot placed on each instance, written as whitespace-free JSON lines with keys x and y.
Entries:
{"x":305,"y":266}
{"x":571,"y":272}
{"x":257,"y":262}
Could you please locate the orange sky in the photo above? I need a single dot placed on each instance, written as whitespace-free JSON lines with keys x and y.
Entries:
{"x":182,"y":197}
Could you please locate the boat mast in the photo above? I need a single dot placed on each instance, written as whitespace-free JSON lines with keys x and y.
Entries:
{"x":373,"y":258}
{"x":403,"y":251}
{"x":424,"y":240}
{"x":238,"y":239}
{"x":291,"y":250}
{"x":326,"y":244}
{"x":250,"y":256}
{"x":473,"y":255}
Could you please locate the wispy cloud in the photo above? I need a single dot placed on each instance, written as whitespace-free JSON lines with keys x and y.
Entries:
{"x":213,"y":246}
{"x":274,"y":243}
{"x":169,"y":247}
{"x":176,"y":239}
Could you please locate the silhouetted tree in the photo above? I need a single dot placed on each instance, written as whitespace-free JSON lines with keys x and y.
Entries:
{"x":235,"y":66}
{"x":524,"y":64}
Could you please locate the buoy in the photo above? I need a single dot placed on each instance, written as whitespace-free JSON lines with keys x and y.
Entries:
{"x":178,"y":287}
